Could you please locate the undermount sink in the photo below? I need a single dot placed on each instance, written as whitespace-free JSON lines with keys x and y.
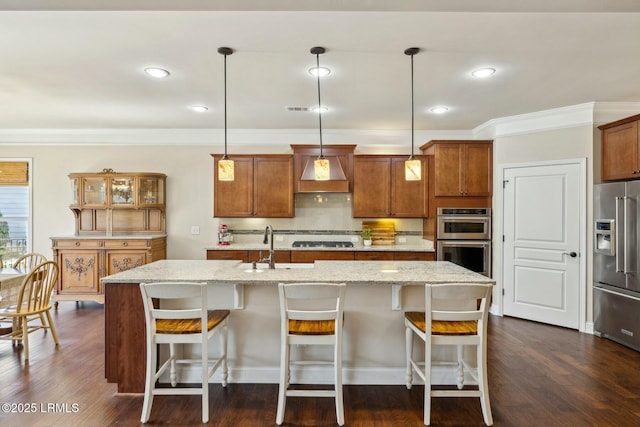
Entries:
{"x":261,"y":266}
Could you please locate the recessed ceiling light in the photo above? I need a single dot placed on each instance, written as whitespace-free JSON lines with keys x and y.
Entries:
{"x":483,"y":72}
{"x":322,"y":71}
{"x":320,"y":110}
{"x":156,"y":72}
{"x":439,"y":110}
{"x":199,"y":108}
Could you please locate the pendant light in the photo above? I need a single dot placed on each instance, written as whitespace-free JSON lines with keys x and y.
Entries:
{"x":321,"y":164}
{"x":412,"y":166}
{"x":225,"y":164}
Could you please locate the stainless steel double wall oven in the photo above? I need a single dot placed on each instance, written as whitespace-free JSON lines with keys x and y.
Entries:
{"x":464,"y":238}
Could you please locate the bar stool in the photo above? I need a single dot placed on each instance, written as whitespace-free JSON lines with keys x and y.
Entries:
{"x":456,"y":314}
{"x":310,"y":314}
{"x":181,"y":326}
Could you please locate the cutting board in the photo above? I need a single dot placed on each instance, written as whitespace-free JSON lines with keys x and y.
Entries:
{"x":383,"y":232}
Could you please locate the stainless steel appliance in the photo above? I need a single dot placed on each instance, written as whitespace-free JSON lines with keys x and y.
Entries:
{"x":464,"y":238}
{"x":616,"y":293}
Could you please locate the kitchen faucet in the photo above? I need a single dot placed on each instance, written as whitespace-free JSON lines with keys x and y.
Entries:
{"x":268,"y":238}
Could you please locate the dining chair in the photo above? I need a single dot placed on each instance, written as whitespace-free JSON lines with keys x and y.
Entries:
{"x":455,"y":315}
{"x":28,"y":261}
{"x":184,"y":325}
{"x":33,"y":302}
{"x":310,"y":314}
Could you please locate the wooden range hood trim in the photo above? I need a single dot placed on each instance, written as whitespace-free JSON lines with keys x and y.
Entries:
{"x":337,"y":183}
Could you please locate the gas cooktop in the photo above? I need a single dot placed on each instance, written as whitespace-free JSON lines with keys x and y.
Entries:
{"x":320,"y":244}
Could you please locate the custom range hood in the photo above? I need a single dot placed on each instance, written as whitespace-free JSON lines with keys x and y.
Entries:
{"x":340,"y":159}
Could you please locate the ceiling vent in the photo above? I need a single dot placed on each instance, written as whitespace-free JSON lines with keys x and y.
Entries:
{"x":298,"y":109}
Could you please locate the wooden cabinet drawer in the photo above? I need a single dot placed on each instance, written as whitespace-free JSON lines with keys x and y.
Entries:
{"x":414,"y":256}
{"x":126,"y":244}
{"x":77,"y":244}
{"x":373,"y":256}
{"x":311,"y":256}
{"x":228,"y":255}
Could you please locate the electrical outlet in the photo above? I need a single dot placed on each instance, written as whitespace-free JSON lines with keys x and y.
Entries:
{"x":402,"y":240}
{"x":279,"y":238}
{"x":354,"y":240}
{"x":195,"y":229}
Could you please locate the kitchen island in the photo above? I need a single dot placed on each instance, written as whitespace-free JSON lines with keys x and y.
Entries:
{"x":377,"y":294}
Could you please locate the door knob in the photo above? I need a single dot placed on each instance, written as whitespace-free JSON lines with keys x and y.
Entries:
{"x":571,"y":254}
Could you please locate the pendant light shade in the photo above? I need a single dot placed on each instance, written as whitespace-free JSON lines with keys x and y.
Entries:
{"x":321,"y":164}
{"x":225,"y":165}
{"x":412,"y":166}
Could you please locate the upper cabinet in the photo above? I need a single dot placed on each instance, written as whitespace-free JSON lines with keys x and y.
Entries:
{"x":381,"y":191}
{"x":262,"y":187}
{"x":112,"y":202}
{"x":462,"y":168}
{"x":620,"y":153}
{"x":109,"y":189}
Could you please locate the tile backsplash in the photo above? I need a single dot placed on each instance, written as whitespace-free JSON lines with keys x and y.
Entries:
{"x":318,"y":213}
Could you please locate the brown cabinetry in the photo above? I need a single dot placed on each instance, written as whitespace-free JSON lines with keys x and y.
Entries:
{"x":119,"y":224}
{"x":381,"y":191}
{"x":461,"y":168}
{"x":110,"y":202}
{"x":247,"y":256}
{"x":82,"y":262}
{"x":312,"y":256}
{"x":620,"y":151}
{"x":263,"y":187}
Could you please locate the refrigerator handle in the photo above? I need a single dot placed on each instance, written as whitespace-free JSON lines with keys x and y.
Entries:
{"x":625,"y":257}
{"x":619,"y":268}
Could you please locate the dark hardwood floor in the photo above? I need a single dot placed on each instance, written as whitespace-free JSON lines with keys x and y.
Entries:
{"x":539,"y":375}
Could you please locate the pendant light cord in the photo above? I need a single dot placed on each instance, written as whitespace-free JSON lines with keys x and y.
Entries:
{"x":225,"y":106}
{"x":319,"y":103}
{"x":412,"y":115}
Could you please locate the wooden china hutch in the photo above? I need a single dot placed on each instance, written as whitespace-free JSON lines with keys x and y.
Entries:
{"x":119,"y":224}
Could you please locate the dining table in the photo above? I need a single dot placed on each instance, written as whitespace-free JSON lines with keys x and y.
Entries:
{"x":10,"y":281}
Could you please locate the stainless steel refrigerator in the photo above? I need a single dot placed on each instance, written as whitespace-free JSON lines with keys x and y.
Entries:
{"x":616,"y":275}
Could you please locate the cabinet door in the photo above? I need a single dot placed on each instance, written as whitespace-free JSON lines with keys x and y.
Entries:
{"x":371,"y":187}
{"x":414,"y":256}
{"x":620,"y":154}
{"x":448,"y":170}
{"x":122,"y":192}
{"x":151,"y":191}
{"x":408,"y":198}
{"x":118,"y":261}
{"x":79,"y":272}
{"x":477,"y":169}
{"x":94,"y":192}
{"x":273,"y":187}
{"x":234,"y":199}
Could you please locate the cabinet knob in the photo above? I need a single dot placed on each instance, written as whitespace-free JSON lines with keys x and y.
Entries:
{"x":77,"y":243}
{"x":125,"y":243}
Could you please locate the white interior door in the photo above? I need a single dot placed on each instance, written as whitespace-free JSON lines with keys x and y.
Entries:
{"x":541,"y":249}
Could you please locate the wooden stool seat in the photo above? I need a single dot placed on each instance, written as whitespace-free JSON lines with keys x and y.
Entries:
{"x":190,"y":326}
{"x":442,"y":327}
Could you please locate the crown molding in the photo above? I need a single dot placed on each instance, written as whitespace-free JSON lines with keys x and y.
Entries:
{"x":587,"y":114}
{"x":215,"y":137}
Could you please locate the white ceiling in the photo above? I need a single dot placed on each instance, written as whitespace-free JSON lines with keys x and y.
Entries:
{"x":70,"y":68}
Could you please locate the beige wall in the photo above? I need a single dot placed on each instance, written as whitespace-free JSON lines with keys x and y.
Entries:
{"x":569,"y":143}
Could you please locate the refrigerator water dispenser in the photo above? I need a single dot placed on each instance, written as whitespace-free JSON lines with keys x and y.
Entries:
{"x":605,"y":235}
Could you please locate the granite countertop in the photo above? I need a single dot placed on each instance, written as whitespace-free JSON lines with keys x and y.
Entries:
{"x":361,"y":272}
{"x":408,"y":247}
